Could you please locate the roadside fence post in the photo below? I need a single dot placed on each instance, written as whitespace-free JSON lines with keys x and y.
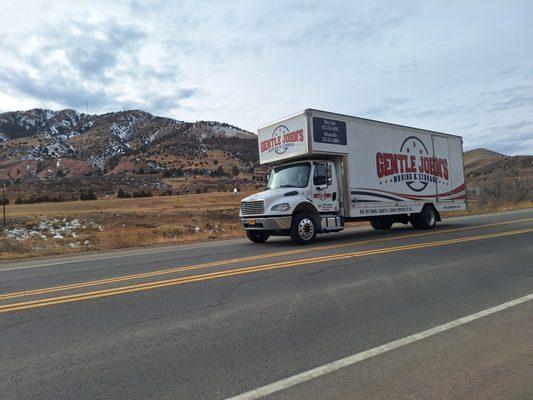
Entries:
{"x":4,"y":203}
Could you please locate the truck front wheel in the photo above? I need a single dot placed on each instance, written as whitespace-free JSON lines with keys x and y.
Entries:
{"x":303,"y":229}
{"x":257,"y":236}
{"x":425,"y":219}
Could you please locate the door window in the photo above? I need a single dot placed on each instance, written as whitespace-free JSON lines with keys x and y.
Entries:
{"x":320,"y":175}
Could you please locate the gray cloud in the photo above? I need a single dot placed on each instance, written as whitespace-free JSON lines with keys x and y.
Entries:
{"x":51,"y":88}
{"x":87,"y":49}
{"x":81,"y":61}
{"x":154,"y":102}
{"x":281,"y":25}
{"x":508,"y":138}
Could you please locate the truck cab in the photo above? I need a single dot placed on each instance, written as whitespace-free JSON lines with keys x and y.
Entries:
{"x":301,"y":199}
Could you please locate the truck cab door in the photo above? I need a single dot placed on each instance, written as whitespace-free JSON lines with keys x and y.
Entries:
{"x":325,"y":189}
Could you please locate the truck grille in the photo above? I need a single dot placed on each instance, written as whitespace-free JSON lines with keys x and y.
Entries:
{"x":252,"y":207}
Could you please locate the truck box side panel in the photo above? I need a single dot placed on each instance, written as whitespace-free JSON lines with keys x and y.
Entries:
{"x":402,"y":166}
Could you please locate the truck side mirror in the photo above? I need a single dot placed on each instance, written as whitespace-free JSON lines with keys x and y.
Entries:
{"x":329,"y":179}
{"x":320,"y":180}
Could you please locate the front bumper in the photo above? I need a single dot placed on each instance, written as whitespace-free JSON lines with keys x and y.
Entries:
{"x":267,"y":223}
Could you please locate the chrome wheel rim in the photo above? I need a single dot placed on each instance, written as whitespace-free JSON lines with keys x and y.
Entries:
{"x":306,"y":229}
{"x":430,"y":218}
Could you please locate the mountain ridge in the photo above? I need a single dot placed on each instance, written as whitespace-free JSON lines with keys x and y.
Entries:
{"x":100,"y":142}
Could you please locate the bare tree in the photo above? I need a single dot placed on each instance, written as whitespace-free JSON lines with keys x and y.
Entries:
{"x":495,"y":190}
{"x":519,"y":187}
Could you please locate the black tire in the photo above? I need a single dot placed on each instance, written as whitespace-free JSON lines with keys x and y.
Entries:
{"x":381,"y":223}
{"x":303,"y":229}
{"x":257,"y":236}
{"x":425,"y":219}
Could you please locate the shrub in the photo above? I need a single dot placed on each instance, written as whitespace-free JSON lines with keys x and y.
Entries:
{"x":142,"y":193}
{"x":38,"y":199}
{"x":87,"y":195}
{"x":121,"y":194}
{"x":219,"y":171}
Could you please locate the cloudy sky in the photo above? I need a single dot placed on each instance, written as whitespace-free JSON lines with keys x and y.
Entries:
{"x":464,"y":67}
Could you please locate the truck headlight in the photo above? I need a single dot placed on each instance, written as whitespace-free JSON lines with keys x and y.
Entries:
{"x":281,"y":207}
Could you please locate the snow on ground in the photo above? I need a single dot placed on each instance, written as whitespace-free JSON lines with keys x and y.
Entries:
{"x":52,"y":229}
{"x":123,"y":129}
{"x":230,"y":132}
{"x":150,"y":138}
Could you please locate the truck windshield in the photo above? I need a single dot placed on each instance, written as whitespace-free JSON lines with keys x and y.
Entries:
{"x":294,"y":175}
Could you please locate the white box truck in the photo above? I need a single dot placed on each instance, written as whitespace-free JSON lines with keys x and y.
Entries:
{"x":329,"y":168}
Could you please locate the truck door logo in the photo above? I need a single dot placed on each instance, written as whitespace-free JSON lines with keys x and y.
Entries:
{"x":413,"y":165}
{"x":282,"y":139}
{"x":322,"y":196}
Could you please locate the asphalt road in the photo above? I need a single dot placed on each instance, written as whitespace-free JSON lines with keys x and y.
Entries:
{"x":402,"y":314}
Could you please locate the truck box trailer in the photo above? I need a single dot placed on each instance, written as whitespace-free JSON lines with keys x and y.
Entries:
{"x":330,"y":168}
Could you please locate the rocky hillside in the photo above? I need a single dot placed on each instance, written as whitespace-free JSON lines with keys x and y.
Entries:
{"x":44,"y":143}
{"x":55,"y":150}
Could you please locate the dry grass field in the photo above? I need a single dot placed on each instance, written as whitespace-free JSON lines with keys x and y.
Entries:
{"x":69,"y":227}
{"x":77,"y":226}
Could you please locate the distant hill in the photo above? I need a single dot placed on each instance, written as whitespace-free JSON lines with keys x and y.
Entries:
{"x":483,"y":163}
{"x":38,"y":143}
{"x":481,"y":155}
{"x":66,"y":146}
{"x":497,"y":177}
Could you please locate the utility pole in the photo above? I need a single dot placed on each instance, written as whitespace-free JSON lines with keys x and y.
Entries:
{"x":4,"y":203}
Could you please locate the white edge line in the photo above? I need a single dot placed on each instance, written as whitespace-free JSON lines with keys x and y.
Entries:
{"x":103,"y":258}
{"x":353,"y":359}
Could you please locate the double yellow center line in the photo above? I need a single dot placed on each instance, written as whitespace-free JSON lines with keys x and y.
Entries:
{"x":106,"y":281}
{"x":241,"y":271}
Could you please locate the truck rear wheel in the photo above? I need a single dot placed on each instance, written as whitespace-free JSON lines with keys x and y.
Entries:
{"x":381,"y":223}
{"x":425,"y":219}
{"x":257,"y":236}
{"x":303,"y":229}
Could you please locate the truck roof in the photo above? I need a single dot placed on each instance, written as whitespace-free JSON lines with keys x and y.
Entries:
{"x":311,"y":110}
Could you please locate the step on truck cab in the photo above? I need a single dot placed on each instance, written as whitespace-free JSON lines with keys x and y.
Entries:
{"x":329,"y":168}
